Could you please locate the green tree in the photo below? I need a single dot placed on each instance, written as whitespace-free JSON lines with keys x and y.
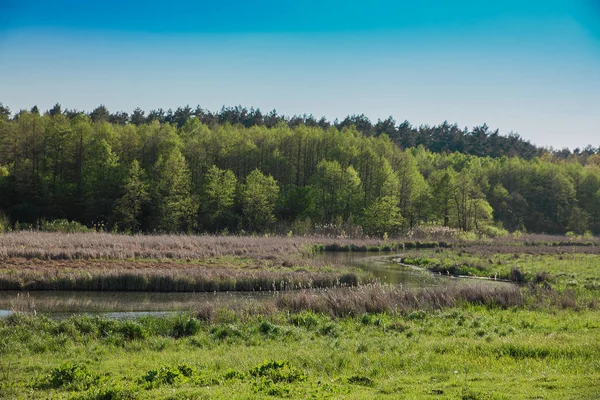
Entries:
{"x":219,"y":195}
{"x":175,"y":207}
{"x":129,"y":207}
{"x":578,"y":221}
{"x":336,"y":191}
{"x":102,"y":175}
{"x":442,"y":186}
{"x":259,"y":195}
{"x":383,"y":216}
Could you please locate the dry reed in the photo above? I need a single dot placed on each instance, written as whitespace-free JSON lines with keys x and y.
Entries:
{"x":62,"y":246}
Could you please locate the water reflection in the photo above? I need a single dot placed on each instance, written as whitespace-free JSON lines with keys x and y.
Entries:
{"x":385,"y":267}
{"x":65,"y":302}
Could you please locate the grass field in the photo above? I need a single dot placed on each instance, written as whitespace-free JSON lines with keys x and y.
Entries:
{"x":467,"y":352}
{"x":568,"y":270}
{"x":536,"y":339}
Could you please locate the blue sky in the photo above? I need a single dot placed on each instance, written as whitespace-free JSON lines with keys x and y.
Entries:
{"x":529,"y":67}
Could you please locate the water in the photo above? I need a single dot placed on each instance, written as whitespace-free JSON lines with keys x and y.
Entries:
{"x":141,"y":303}
{"x":386,"y":268}
{"x":123,"y":305}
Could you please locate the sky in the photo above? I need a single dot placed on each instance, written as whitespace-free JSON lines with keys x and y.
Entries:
{"x":530,"y":67}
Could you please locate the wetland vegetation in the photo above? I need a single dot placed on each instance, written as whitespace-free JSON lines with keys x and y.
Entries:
{"x":467,"y":351}
{"x":455,"y":338}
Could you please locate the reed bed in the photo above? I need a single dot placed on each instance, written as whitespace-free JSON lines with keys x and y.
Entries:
{"x":377,"y":298}
{"x":66,"y":303}
{"x":96,"y":245}
{"x":64,"y":246}
{"x":335,"y":302}
{"x":182,"y":280}
{"x":61,"y":246}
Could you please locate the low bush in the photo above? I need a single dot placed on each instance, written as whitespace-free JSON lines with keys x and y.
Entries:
{"x":71,"y":376}
{"x":167,"y":375}
{"x":64,"y":226}
{"x":277,"y":371}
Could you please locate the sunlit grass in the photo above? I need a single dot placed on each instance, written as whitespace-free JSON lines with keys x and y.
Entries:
{"x":452,"y":353}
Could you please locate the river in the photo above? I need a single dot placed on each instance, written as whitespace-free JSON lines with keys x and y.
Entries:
{"x":385,"y":267}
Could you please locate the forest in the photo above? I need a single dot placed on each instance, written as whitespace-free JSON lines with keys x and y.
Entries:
{"x":241,"y":171}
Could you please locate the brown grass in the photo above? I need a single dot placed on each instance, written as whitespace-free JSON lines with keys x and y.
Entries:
{"x":61,"y":246}
{"x":164,"y":277}
{"x":377,"y":298}
{"x":109,"y":262}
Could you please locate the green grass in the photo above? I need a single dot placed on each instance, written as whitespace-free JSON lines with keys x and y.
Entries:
{"x":563,"y":271}
{"x":465,"y":353}
{"x":540,"y":340}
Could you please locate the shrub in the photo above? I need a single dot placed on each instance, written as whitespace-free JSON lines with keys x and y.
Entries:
{"x":225,"y":331}
{"x":116,"y":392}
{"x":167,"y":375}
{"x":277,"y":371}
{"x":4,"y":223}
{"x":267,"y":328}
{"x":185,"y":326}
{"x":492,"y":231}
{"x":132,"y":331}
{"x":328,"y":329}
{"x":306,"y":319}
{"x":516,"y":275}
{"x":233,"y":374}
{"x":68,"y":375}
{"x":64,"y":226}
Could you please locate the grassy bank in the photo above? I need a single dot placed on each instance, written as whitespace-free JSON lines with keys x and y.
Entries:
{"x":465,"y":352}
{"x":564,"y":269}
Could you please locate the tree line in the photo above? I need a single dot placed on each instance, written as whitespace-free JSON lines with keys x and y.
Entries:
{"x":242,"y":171}
{"x":446,"y":137}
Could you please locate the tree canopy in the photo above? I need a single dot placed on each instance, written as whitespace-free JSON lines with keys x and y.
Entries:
{"x":191,"y":170}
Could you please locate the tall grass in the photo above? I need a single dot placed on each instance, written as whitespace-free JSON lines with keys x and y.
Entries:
{"x":63,"y":246}
{"x":180,"y":280}
{"x":377,"y":298}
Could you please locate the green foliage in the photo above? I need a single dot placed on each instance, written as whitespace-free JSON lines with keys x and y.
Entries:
{"x":463,"y":351}
{"x":4,"y":223}
{"x":219,"y":195}
{"x":382,"y":217}
{"x":70,"y":376}
{"x":185,"y":326}
{"x":259,"y":195}
{"x":302,"y":227}
{"x":167,"y":375}
{"x":277,"y":371}
{"x":360,"y":380}
{"x":492,"y":231}
{"x":173,"y":173}
{"x":115,"y":391}
{"x":176,"y":207}
{"x":64,"y":226}
{"x":129,"y":207}
{"x":335,"y":191}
